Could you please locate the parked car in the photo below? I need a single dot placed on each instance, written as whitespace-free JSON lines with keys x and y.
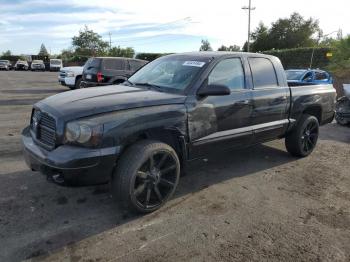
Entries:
{"x":37,"y":65}
{"x":21,"y":65}
{"x":71,"y":76}
{"x":102,"y":71}
{"x":56,"y":64}
{"x":139,"y":135}
{"x":342,"y":108}
{"x":5,"y":65}
{"x":297,"y":77}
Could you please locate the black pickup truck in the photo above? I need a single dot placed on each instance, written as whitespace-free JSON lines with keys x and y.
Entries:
{"x":139,"y":135}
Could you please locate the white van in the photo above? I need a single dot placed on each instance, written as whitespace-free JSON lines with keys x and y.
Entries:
{"x":55,"y":64}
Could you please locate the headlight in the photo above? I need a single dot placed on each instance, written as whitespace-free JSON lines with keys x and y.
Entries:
{"x":83,"y":132}
{"x":70,"y":74}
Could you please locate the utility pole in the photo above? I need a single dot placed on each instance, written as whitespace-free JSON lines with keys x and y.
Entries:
{"x":249,"y":8}
{"x":110,"y":41}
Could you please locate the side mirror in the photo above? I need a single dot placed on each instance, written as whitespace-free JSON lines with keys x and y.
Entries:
{"x":214,"y":90}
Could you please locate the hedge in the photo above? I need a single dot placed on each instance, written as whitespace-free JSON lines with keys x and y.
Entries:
{"x":300,"y":57}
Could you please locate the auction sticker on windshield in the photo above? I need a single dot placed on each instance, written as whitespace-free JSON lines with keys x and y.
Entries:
{"x":193,"y":63}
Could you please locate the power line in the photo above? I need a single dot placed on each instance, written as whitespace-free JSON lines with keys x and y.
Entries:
{"x":249,"y":8}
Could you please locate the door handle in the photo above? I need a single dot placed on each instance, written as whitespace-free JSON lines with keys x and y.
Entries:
{"x":243,"y":102}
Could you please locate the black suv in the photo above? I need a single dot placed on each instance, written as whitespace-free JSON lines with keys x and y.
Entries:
{"x":101,"y":71}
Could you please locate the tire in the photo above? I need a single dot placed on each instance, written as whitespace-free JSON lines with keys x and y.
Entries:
{"x":341,"y":106}
{"x":143,"y":187}
{"x":77,"y":83}
{"x":303,"y":139}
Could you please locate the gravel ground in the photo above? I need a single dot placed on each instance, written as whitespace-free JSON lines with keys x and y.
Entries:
{"x":257,"y":204}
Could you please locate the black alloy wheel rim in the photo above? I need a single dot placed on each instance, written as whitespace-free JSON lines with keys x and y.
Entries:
{"x":155,"y":180}
{"x":309,"y":137}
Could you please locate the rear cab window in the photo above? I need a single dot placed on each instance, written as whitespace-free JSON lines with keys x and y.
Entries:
{"x":263,"y":72}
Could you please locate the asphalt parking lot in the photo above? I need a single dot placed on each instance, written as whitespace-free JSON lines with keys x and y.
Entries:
{"x":256,"y":204}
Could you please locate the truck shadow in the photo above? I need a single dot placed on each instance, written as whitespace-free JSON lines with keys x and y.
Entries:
{"x":37,"y":217}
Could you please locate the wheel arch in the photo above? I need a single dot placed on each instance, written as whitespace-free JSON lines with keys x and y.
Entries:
{"x":170,"y":136}
{"x":314,"y":110}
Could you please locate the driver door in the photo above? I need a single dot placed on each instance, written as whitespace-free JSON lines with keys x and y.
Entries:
{"x":221,"y":122}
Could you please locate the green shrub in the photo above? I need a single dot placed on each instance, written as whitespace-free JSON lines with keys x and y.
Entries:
{"x":301,"y":57}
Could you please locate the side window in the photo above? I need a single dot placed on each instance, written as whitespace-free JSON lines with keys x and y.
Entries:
{"x":228,"y":72}
{"x":113,"y":64}
{"x":320,"y":76}
{"x":263,"y":72}
{"x":307,"y":76}
{"x":135,"y":65}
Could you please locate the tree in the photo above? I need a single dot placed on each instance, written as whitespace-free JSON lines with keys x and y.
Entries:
{"x":292,"y":32}
{"x":232,"y":48}
{"x":341,"y":55}
{"x":43,"y":51}
{"x":121,"y":52}
{"x":260,"y":39}
{"x":7,"y":53}
{"x":205,"y":46}
{"x":89,"y":43}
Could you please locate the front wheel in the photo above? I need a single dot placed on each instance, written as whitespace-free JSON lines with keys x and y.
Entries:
{"x":78,"y":83}
{"x":303,"y":139}
{"x":146,"y":176}
{"x":341,"y":107}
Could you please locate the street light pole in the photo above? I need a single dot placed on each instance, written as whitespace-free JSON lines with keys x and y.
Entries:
{"x":249,"y":8}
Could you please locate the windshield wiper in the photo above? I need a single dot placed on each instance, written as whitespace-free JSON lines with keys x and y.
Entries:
{"x":129,"y":83}
{"x":149,"y":85}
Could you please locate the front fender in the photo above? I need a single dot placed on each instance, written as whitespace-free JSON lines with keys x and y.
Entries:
{"x":119,"y":126}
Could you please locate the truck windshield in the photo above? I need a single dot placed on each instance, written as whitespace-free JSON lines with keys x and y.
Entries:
{"x":294,"y":74}
{"x":55,"y":62}
{"x":37,"y":62}
{"x":172,"y":74}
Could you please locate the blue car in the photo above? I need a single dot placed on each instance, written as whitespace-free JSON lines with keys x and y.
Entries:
{"x":297,"y":77}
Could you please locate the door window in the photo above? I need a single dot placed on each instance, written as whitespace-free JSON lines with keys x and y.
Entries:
{"x":320,"y":76}
{"x":263,"y":72}
{"x":135,"y":65}
{"x":113,"y":64}
{"x":228,"y":72}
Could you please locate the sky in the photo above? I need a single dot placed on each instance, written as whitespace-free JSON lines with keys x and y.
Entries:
{"x":152,"y":25}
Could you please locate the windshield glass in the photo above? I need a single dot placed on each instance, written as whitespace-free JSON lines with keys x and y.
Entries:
{"x":173,"y":73}
{"x":37,"y":62}
{"x":55,"y":62}
{"x":21,"y":62}
{"x":4,"y":61}
{"x":294,"y":74}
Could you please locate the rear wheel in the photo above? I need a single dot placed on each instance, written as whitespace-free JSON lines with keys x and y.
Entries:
{"x":146,"y":176}
{"x":303,"y":139}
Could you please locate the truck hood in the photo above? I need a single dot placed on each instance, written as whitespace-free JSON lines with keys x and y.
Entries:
{"x":73,"y":68}
{"x":96,"y":100}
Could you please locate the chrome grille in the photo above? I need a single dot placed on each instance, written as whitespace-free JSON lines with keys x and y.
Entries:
{"x":63,"y":74}
{"x":44,"y":128}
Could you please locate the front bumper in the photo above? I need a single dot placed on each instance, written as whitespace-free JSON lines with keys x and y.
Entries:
{"x":77,"y":165}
